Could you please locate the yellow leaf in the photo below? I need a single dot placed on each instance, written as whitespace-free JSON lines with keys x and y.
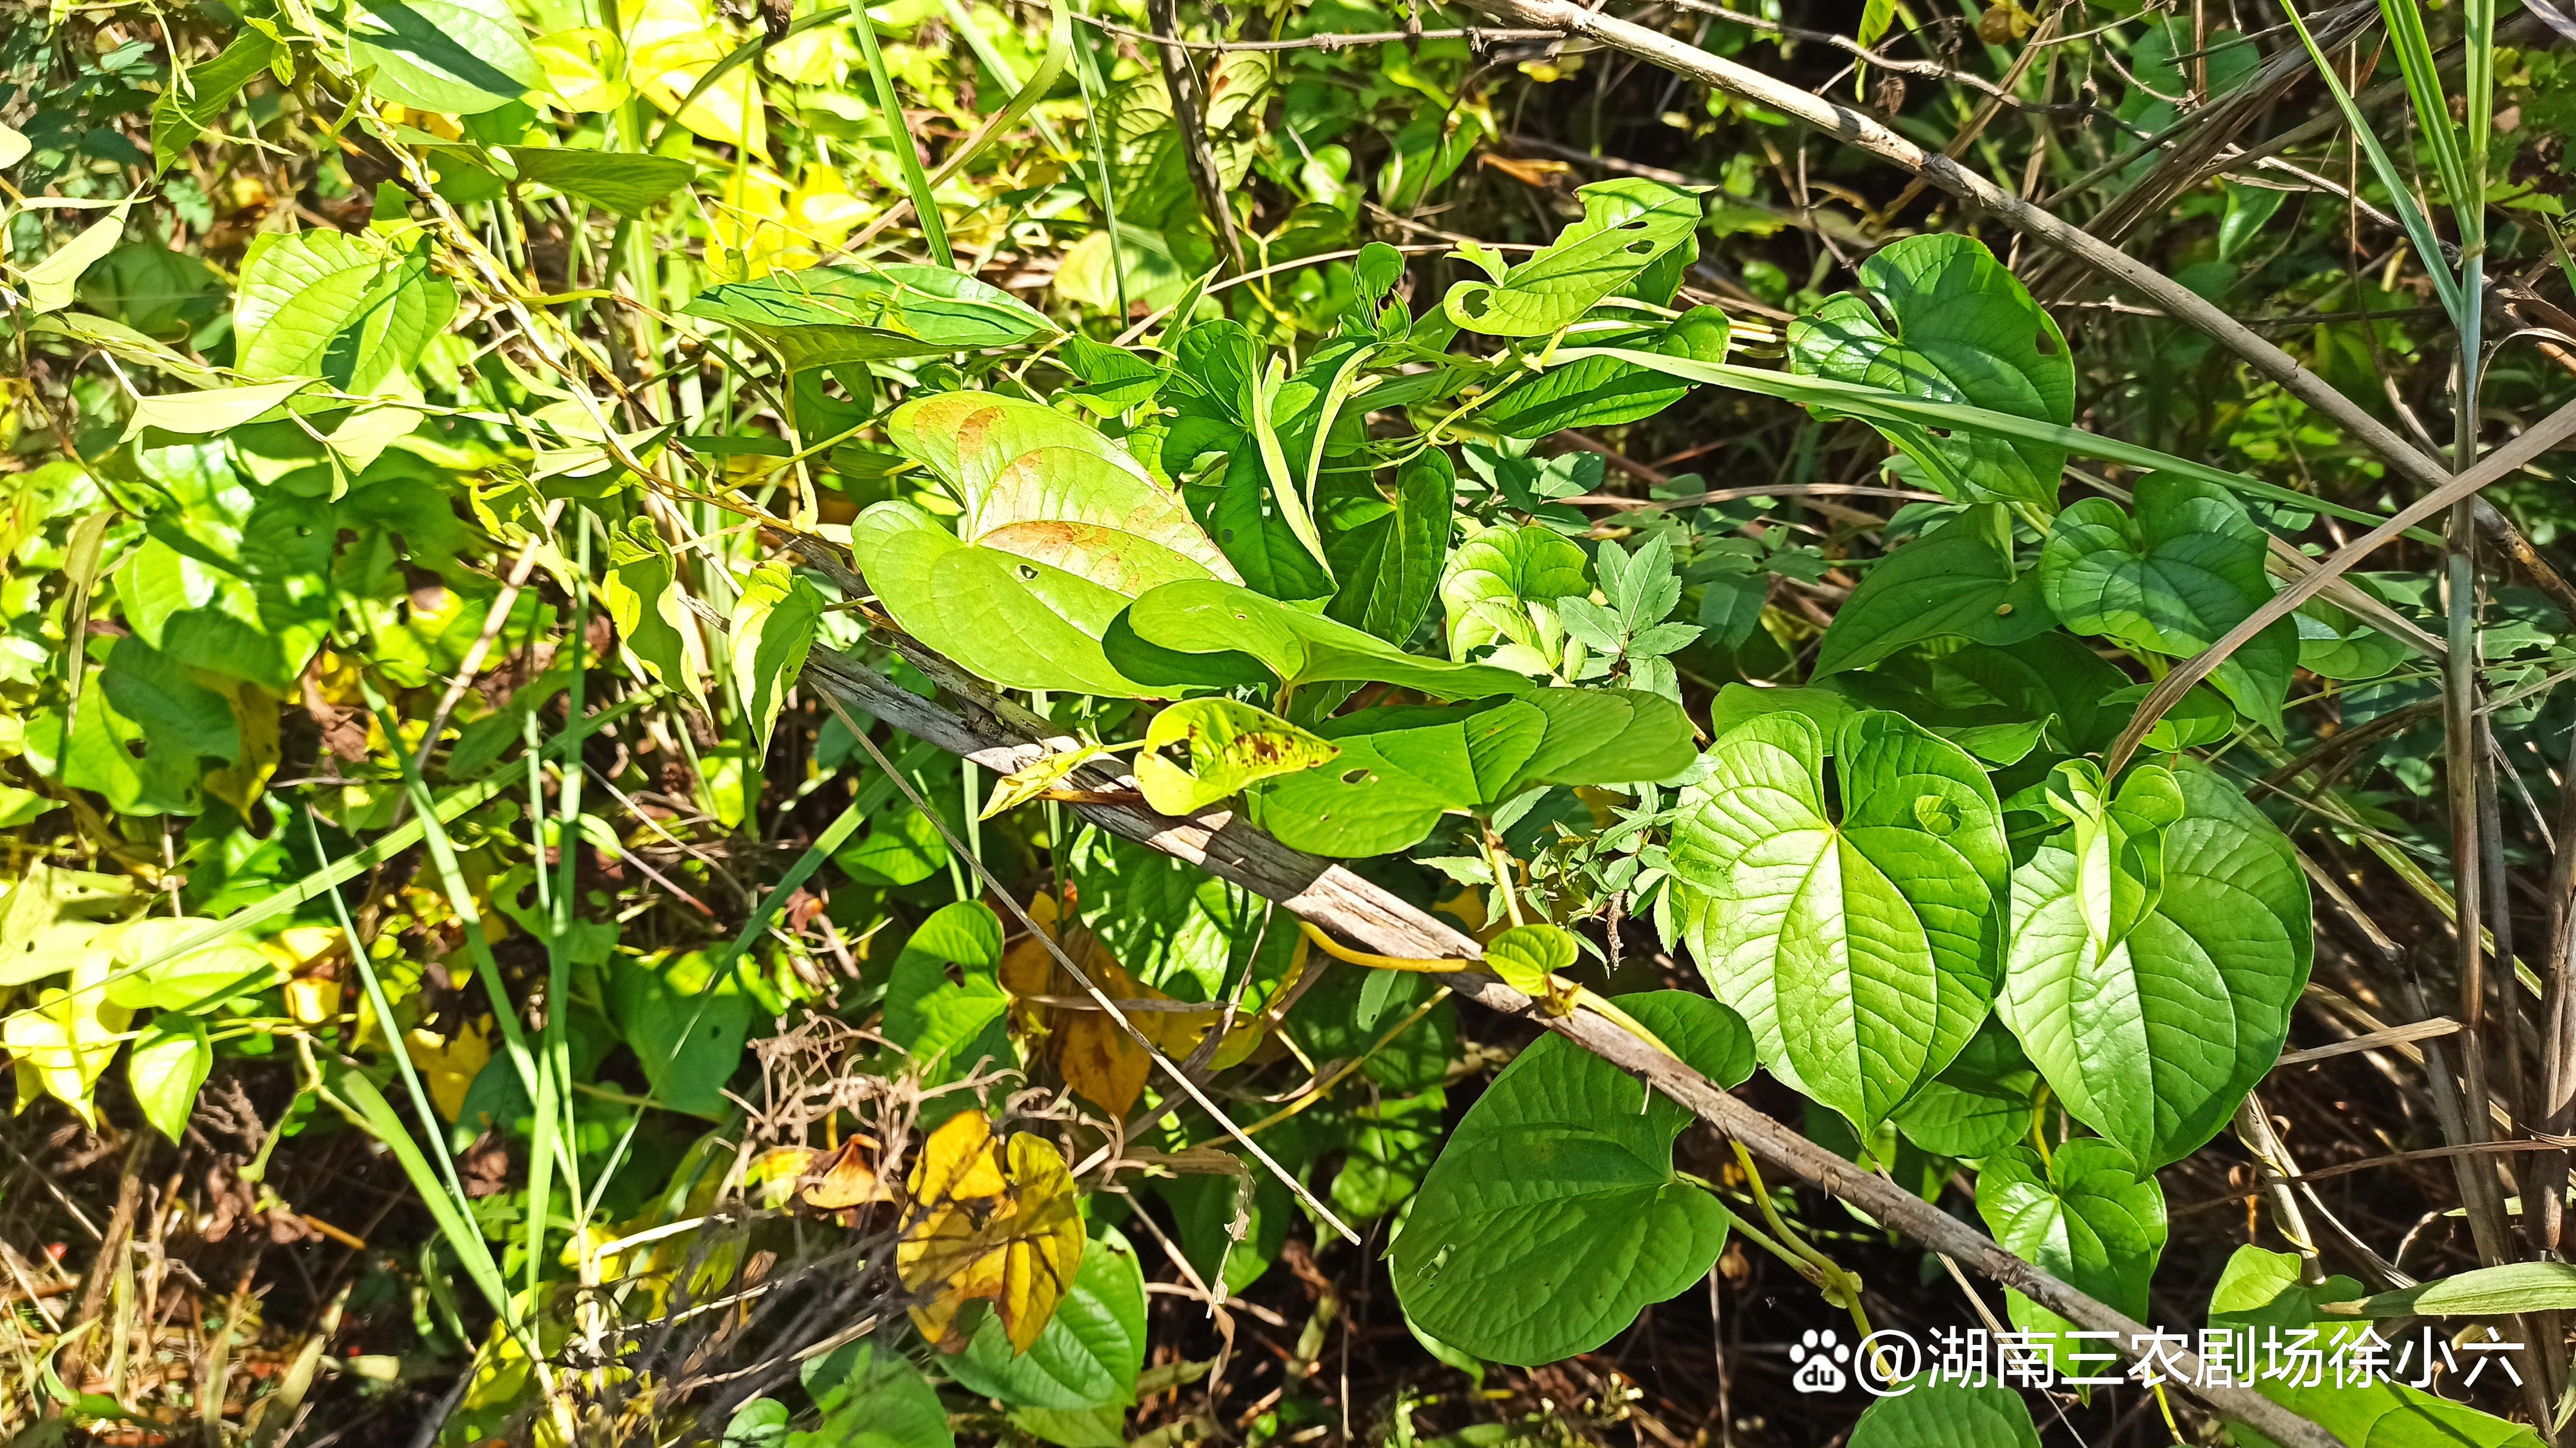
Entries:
{"x":314,"y":1000}
{"x":671,"y":45}
{"x":992,"y":1222}
{"x":847,"y":1178}
{"x":68,"y":1037}
{"x":255,"y":715}
{"x":585,"y":68}
{"x":449,"y":1066}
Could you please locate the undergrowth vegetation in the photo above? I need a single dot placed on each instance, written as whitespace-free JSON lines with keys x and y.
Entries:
{"x":1330,"y":722}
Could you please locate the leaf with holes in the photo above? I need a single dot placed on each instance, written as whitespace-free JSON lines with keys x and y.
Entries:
{"x":1957,"y":327}
{"x":828,"y":315}
{"x":1627,"y":223}
{"x":1230,"y":745}
{"x":1554,"y":1213}
{"x":1862,"y":950}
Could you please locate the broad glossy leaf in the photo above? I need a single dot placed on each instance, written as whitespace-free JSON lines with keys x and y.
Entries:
{"x":833,"y":314}
{"x":625,"y":182}
{"x":2154,"y":1042}
{"x":1980,"y":1105}
{"x":1604,"y":391}
{"x":461,"y":57}
{"x":1229,"y":746}
{"x":1956,"y":582}
{"x":167,"y":1067}
{"x":1957,"y":327}
{"x":177,"y":713}
{"x":1627,"y":223}
{"x":1554,"y":1213}
{"x":1932,"y":1414}
{"x":1019,"y":623}
{"x":1862,"y":950}
{"x":2172,"y":581}
{"x":686,"y":1018}
{"x":1402,"y":767}
{"x":327,"y":304}
{"x":2268,"y":1291}
{"x":1390,"y":564}
{"x":1090,"y":1352}
{"x":1211,"y":617}
{"x":2087,"y":1216}
{"x":2333,"y":644}
{"x":66,"y":1038}
{"x":1502,"y":590}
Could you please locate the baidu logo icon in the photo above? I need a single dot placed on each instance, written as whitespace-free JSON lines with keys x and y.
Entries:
{"x":1820,"y":1357}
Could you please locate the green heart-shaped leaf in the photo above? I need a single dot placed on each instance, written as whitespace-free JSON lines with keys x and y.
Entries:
{"x":2154,"y":1041}
{"x":1956,"y":582}
{"x":2086,"y":1216}
{"x":2172,"y":581}
{"x":1205,"y":616}
{"x":1554,"y":1213}
{"x":1862,"y":951}
{"x":1960,"y":328}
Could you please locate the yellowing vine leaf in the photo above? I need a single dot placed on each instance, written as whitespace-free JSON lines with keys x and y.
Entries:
{"x":992,"y":1221}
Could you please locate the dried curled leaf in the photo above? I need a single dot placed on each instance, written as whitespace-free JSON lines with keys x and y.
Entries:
{"x":989,"y":1220}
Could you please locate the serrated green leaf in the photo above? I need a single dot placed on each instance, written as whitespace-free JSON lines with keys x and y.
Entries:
{"x":1554,"y":1213}
{"x":2154,"y":1043}
{"x":1958,"y":328}
{"x":1863,"y":951}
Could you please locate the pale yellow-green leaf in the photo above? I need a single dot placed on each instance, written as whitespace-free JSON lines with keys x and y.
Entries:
{"x":213,"y":410}
{"x":50,"y":282}
{"x":1230,"y":745}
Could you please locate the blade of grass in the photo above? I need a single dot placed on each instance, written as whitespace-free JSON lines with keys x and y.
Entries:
{"x":890,"y":108}
{"x":1881,"y":405}
{"x":2401,"y":197}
